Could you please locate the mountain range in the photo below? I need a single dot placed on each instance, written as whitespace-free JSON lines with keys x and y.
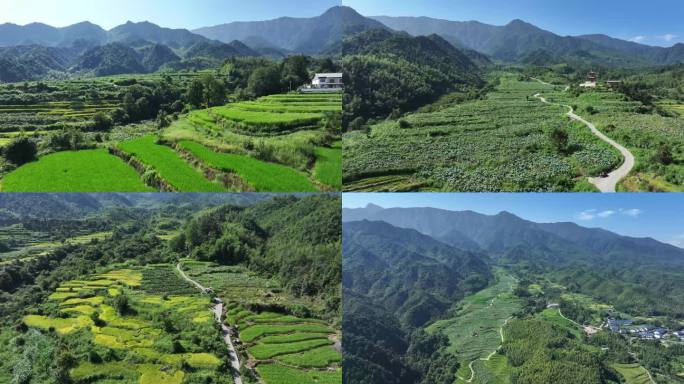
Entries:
{"x":306,"y":35}
{"x":516,"y":40}
{"x":36,"y":50}
{"x":504,"y":235}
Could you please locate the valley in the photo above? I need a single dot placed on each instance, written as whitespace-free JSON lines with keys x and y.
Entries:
{"x":538,"y":306}
{"x":151,"y":299}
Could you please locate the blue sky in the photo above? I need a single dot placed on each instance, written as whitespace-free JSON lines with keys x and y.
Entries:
{"x":655,"y":22}
{"x":168,"y":13}
{"x":640,"y":215}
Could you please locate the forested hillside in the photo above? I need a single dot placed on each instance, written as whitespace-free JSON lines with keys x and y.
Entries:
{"x":390,"y":73}
{"x":491,"y":298}
{"x":395,"y":282}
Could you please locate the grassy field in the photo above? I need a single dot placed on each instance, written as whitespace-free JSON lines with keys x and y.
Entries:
{"x":633,"y":373}
{"x":474,"y":332}
{"x":169,"y":165}
{"x":81,"y":171}
{"x":500,"y":143}
{"x":136,"y":332}
{"x":328,"y":168}
{"x":260,"y":175}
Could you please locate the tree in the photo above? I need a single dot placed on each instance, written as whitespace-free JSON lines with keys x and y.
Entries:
{"x":102,"y":122}
{"x":121,"y":304}
{"x":21,"y":150}
{"x":128,"y":104}
{"x":559,"y":139}
{"x":195,"y":93}
{"x":295,"y":71}
{"x":214,"y":92}
{"x":664,"y":154}
{"x":63,"y":363}
{"x":163,"y":120}
{"x":264,"y":81}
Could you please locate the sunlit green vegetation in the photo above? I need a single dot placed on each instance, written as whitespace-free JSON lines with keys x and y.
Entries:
{"x":501,"y":143}
{"x":170,"y":167}
{"x":80,"y":171}
{"x":259,"y":175}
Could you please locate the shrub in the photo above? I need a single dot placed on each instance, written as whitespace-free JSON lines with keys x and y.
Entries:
{"x":403,"y":123}
{"x":102,"y":122}
{"x":21,"y":150}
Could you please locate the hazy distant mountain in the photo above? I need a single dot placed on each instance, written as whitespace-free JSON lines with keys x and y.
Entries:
{"x":518,"y":39}
{"x":174,"y":38}
{"x":559,"y":242}
{"x":302,"y":35}
{"x":41,"y":34}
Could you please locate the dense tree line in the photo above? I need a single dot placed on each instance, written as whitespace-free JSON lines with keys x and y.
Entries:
{"x":295,"y":240}
{"x":541,"y":352}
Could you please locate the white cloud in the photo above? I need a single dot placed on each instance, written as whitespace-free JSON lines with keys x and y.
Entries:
{"x":638,"y":39}
{"x":591,"y":214}
{"x":634,"y":212}
{"x":605,"y":214}
{"x":668,"y":37}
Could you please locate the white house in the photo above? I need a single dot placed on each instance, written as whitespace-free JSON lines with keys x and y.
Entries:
{"x":327,"y":81}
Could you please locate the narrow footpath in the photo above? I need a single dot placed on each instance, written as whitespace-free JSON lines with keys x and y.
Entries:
{"x":472,"y":370}
{"x":609,"y":183}
{"x":218,"y":314}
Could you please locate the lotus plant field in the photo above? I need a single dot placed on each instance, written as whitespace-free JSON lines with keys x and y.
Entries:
{"x":500,"y":143}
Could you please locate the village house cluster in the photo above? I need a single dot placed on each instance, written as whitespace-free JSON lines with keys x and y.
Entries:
{"x":642,"y":331}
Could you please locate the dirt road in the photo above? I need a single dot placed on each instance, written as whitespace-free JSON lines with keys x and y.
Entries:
{"x":609,"y":183}
{"x":218,"y":314}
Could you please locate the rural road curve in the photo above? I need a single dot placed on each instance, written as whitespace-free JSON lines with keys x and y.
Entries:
{"x":472,"y":371}
{"x":604,"y":184}
{"x":218,"y":314}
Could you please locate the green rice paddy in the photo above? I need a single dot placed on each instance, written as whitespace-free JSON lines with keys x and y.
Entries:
{"x":81,"y":171}
{"x":169,"y":165}
{"x":262,"y":176}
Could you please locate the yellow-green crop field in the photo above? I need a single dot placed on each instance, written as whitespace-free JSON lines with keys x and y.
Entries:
{"x":152,"y":338}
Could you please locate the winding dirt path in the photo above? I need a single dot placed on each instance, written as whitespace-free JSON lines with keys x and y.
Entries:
{"x":218,"y":314}
{"x":604,"y":184}
{"x":470,"y":366}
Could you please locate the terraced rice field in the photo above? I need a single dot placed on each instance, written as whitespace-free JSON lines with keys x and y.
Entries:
{"x":259,"y":175}
{"x":501,"y":143}
{"x":475,"y":331}
{"x":137,"y":333}
{"x":633,"y":373}
{"x":328,"y":168}
{"x":180,"y":175}
{"x":287,"y":347}
{"x":278,"y":134}
{"x":79,"y":171}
